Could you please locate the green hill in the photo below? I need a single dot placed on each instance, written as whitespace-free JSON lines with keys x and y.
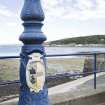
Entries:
{"x":94,"y":39}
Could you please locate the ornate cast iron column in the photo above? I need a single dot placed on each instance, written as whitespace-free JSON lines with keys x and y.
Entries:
{"x":32,"y":38}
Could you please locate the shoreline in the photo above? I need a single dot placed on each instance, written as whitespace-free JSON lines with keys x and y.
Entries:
{"x":77,"y":45}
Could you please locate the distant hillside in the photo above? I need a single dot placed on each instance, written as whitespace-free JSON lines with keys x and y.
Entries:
{"x":94,"y":39}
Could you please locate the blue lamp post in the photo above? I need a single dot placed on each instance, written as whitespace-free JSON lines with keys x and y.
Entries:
{"x":32,"y":37}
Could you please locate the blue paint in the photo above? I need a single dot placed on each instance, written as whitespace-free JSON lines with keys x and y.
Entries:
{"x":32,"y":15}
{"x":50,"y":55}
{"x":32,"y":37}
{"x":27,"y":97}
{"x":95,"y":70}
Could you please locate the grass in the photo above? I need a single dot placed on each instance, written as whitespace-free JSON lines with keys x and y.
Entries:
{"x":63,"y":65}
{"x":9,"y":69}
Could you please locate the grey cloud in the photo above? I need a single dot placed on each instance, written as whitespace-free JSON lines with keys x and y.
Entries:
{"x":74,"y":8}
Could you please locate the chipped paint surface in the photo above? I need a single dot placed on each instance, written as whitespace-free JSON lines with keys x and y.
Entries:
{"x":35,"y":73}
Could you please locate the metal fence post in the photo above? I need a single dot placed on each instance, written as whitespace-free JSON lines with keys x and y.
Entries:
{"x":32,"y":37}
{"x":95,"y":70}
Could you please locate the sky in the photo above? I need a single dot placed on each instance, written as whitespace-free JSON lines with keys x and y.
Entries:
{"x":63,"y":19}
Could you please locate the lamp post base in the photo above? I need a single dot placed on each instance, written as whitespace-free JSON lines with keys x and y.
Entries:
{"x":26,"y":96}
{"x":32,"y":98}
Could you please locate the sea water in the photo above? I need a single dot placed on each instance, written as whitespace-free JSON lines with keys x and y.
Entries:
{"x":14,"y":50}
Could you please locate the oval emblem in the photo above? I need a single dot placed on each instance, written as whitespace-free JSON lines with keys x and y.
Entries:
{"x":35,"y":72}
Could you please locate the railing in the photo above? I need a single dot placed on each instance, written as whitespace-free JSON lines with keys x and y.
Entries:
{"x":94,"y":54}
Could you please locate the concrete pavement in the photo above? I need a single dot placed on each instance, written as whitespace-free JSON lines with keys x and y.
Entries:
{"x":78,"y":92}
